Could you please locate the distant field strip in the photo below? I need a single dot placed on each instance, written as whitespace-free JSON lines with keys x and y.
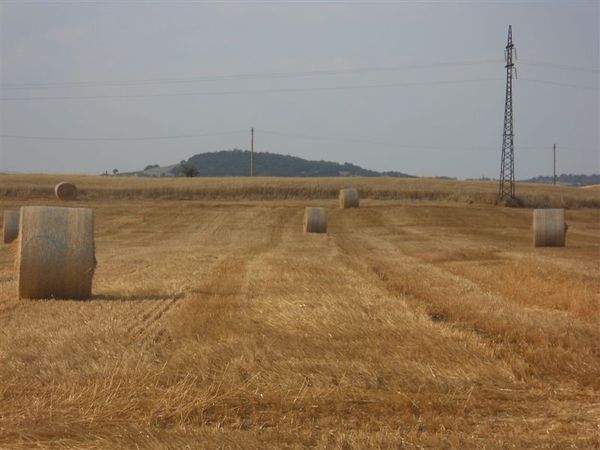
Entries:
{"x":241,"y":189}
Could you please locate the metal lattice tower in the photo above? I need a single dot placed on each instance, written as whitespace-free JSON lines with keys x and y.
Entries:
{"x":507,"y":165}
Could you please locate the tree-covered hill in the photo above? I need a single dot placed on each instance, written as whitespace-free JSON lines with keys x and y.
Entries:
{"x":231,"y":163}
{"x":568,"y":179}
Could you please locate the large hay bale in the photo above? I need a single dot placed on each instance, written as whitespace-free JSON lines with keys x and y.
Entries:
{"x":549,"y":228}
{"x":65,"y":191}
{"x":315,"y":220}
{"x":348,"y":198}
{"x":10,"y":225}
{"x":55,"y":255}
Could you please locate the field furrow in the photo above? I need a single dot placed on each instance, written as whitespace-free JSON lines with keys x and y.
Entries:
{"x":454,"y":300}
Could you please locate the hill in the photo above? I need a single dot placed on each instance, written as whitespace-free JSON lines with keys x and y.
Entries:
{"x":235,"y":163}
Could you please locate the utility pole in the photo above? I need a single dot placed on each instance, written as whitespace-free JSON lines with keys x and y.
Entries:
{"x":252,"y":152}
{"x":507,"y":164}
{"x":554,"y":155}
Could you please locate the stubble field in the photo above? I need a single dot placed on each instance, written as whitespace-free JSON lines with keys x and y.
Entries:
{"x":417,"y":321}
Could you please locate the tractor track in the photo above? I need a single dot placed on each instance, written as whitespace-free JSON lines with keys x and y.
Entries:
{"x":10,"y":307}
{"x":150,"y":325}
{"x":453,"y":301}
{"x":148,"y":319}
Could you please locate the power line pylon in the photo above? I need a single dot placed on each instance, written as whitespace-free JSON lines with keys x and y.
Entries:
{"x":507,"y":165}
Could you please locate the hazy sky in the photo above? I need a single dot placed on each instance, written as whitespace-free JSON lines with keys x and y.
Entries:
{"x":171,"y":69}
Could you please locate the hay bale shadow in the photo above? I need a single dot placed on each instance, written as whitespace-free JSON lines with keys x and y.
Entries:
{"x":134,"y":298}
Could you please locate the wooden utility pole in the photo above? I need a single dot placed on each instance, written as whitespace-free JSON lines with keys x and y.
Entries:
{"x":252,"y":152}
{"x":554,"y":157}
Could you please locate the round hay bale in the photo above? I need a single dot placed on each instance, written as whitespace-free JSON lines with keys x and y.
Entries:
{"x":10,"y":225}
{"x":315,"y":220}
{"x":549,"y":228}
{"x":55,"y":254}
{"x":65,"y":191}
{"x":348,"y":198}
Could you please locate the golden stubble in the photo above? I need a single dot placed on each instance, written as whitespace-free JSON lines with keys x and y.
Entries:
{"x":221,"y":324}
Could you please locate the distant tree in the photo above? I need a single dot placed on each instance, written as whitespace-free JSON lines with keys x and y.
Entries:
{"x":115,"y":171}
{"x":151,"y":166}
{"x":189,"y":171}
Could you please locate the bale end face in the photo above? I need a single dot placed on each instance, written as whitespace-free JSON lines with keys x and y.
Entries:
{"x":55,"y":254}
{"x":348,"y":198}
{"x":315,"y":220}
{"x":10,"y":225}
{"x":65,"y":191}
{"x":549,"y":228}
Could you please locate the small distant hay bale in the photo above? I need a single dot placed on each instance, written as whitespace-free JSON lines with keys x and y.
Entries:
{"x":315,"y":220}
{"x":65,"y":191}
{"x":55,"y":253}
{"x":549,"y":228}
{"x":10,"y":226}
{"x":348,"y":198}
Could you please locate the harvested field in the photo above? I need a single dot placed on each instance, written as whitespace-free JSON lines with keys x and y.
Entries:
{"x":216,"y":322}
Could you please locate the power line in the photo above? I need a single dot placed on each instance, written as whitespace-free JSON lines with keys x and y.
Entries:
{"x":288,"y":90}
{"x":557,"y":83}
{"x":560,"y":66}
{"x":251,"y":76}
{"x":477,"y":148}
{"x":252,"y":91}
{"x":272,"y":75}
{"x":388,"y":144}
{"x":146,"y":138}
{"x":346,"y":140}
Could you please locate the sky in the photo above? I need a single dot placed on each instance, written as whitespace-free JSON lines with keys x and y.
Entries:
{"x":415,"y":87}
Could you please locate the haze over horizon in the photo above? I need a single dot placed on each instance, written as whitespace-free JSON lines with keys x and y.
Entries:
{"x":404,"y":86}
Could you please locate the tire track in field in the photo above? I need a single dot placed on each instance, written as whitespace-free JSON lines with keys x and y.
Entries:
{"x":218,"y":276}
{"x":9,"y":301}
{"x":523,"y":337}
{"x":432,"y":275}
{"x":147,"y":326}
{"x":150,"y":326}
{"x":455,"y":245}
{"x":148,"y":318}
{"x":370,"y":254}
{"x":221,"y":295}
{"x":508,"y":239}
{"x":10,"y":307}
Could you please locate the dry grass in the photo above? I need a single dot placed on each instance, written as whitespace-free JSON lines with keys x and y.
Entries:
{"x":223,"y":325}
